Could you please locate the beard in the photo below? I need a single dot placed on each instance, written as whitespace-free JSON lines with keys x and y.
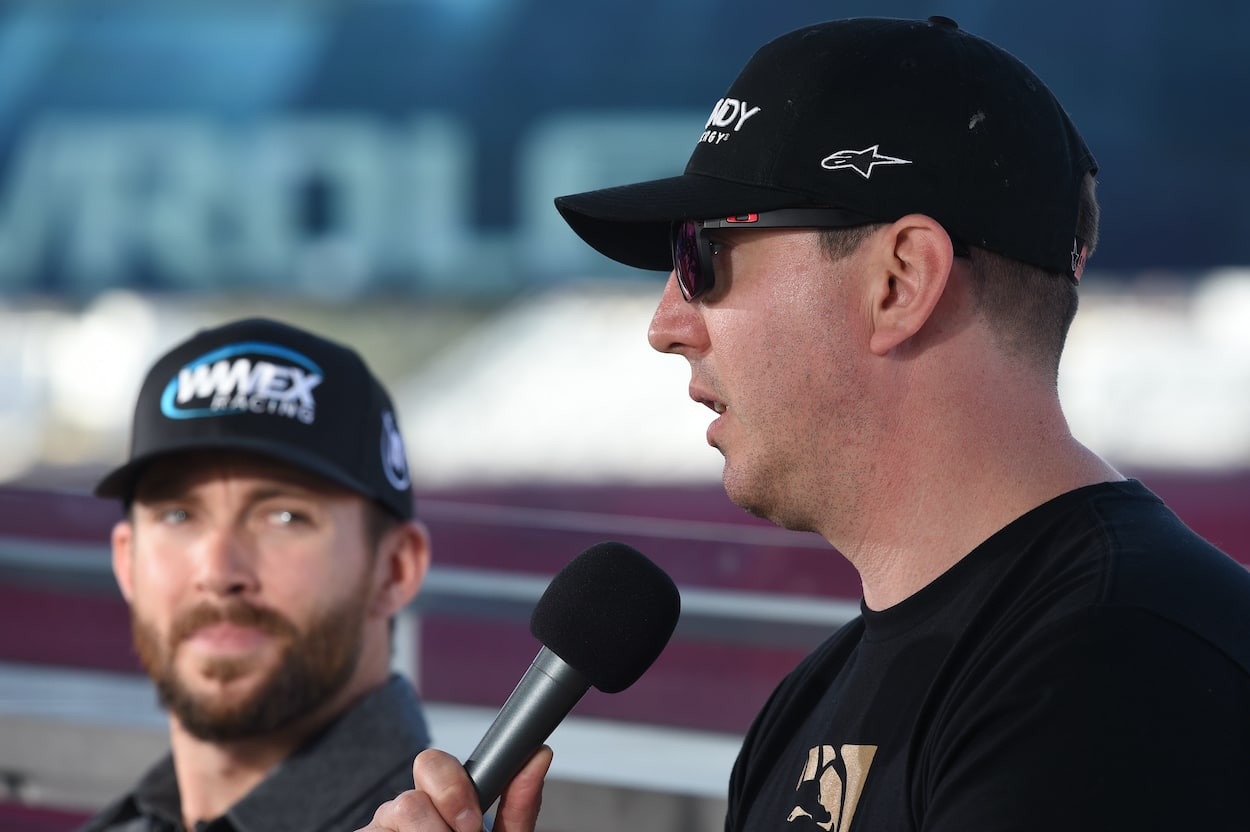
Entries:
{"x":314,"y":665}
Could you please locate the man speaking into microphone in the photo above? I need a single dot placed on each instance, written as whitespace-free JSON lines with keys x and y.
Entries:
{"x":874,"y":256}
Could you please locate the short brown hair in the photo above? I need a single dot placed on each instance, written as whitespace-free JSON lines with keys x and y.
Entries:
{"x":1031,"y":309}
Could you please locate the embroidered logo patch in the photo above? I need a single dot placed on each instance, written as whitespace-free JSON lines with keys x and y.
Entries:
{"x":394,"y":460}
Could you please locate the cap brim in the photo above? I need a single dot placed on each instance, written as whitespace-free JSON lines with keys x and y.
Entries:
{"x":120,"y":482}
{"x":630,"y":223}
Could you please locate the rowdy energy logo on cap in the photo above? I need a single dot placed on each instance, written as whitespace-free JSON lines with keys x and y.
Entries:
{"x":249,"y":377}
{"x":728,"y":112}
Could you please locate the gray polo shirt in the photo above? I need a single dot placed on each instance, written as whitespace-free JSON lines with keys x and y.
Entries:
{"x":335,"y":782}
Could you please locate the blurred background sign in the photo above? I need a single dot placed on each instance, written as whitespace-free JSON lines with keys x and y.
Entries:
{"x":384,"y":170}
{"x":415,"y":145}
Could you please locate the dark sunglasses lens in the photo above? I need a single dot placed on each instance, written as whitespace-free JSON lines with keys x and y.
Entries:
{"x":686,"y":262}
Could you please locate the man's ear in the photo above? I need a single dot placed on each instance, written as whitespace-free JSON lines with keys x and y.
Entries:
{"x":122,"y":539}
{"x":911,"y":264}
{"x":405,"y":559}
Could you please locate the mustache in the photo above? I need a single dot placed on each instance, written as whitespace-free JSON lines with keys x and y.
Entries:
{"x":239,"y":613}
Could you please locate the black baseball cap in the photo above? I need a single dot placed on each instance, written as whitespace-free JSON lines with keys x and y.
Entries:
{"x":878,"y":116}
{"x":269,"y":388}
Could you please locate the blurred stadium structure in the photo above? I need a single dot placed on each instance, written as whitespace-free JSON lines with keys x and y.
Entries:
{"x":382,"y":171}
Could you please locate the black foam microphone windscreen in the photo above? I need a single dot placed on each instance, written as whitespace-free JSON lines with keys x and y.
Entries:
{"x":608,"y":613}
{"x":603,"y":620}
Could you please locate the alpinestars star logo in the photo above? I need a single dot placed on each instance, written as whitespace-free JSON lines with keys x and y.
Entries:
{"x":860,"y":161}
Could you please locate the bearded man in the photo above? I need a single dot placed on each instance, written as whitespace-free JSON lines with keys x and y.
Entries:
{"x":269,"y":538}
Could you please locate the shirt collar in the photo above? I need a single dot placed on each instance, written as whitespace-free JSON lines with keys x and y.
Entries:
{"x":381,"y":733}
{"x":375,"y":738}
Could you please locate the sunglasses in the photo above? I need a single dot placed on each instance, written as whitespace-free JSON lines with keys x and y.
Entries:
{"x":692,"y":250}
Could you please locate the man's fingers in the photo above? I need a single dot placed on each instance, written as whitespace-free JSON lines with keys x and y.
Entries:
{"x":523,"y":797}
{"x":409,"y":812}
{"x":450,"y":791}
{"x":444,"y":798}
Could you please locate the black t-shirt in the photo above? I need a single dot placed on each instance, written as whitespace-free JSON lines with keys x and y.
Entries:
{"x":1086,"y":668}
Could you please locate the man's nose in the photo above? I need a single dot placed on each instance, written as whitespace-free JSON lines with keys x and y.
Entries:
{"x":676,"y":326}
{"x":225,"y":565}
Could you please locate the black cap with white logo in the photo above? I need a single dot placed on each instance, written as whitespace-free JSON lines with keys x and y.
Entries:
{"x":881,"y":117}
{"x":266,"y":387}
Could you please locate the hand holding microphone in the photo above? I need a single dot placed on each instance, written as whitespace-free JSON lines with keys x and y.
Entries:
{"x":602,"y":621}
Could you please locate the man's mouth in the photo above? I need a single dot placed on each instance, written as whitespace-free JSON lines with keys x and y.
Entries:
{"x":712,"y":404}
{"x":226,"y":637}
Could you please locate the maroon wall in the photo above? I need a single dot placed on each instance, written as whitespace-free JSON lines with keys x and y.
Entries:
{"x":474,"y":655}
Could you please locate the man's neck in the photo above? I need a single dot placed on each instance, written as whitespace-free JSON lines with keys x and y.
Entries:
{"x":213,"y":776}
{"x":962,"y":483}
{"x":950,"y":524}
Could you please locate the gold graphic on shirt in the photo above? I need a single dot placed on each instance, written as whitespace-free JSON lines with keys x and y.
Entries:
{"x":831,"y":784}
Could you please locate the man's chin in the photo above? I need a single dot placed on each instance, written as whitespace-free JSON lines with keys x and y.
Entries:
{"x":218,"y":672}
{"x":217,"y":687}
{"x":738,"y":488}
{"x":744,"y":492}
{"x":218,"y":710}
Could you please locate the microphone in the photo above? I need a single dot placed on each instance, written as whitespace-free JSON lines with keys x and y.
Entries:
{"x":602,"y":621}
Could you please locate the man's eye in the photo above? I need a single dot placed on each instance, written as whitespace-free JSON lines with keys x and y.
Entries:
{"x":286,"y":517}
{"x":174,"y":515}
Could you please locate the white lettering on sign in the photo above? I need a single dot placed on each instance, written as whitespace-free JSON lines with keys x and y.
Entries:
{"x":192,"y":203}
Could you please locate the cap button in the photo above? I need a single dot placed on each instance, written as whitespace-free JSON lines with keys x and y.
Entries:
{"x":943,"y":21}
